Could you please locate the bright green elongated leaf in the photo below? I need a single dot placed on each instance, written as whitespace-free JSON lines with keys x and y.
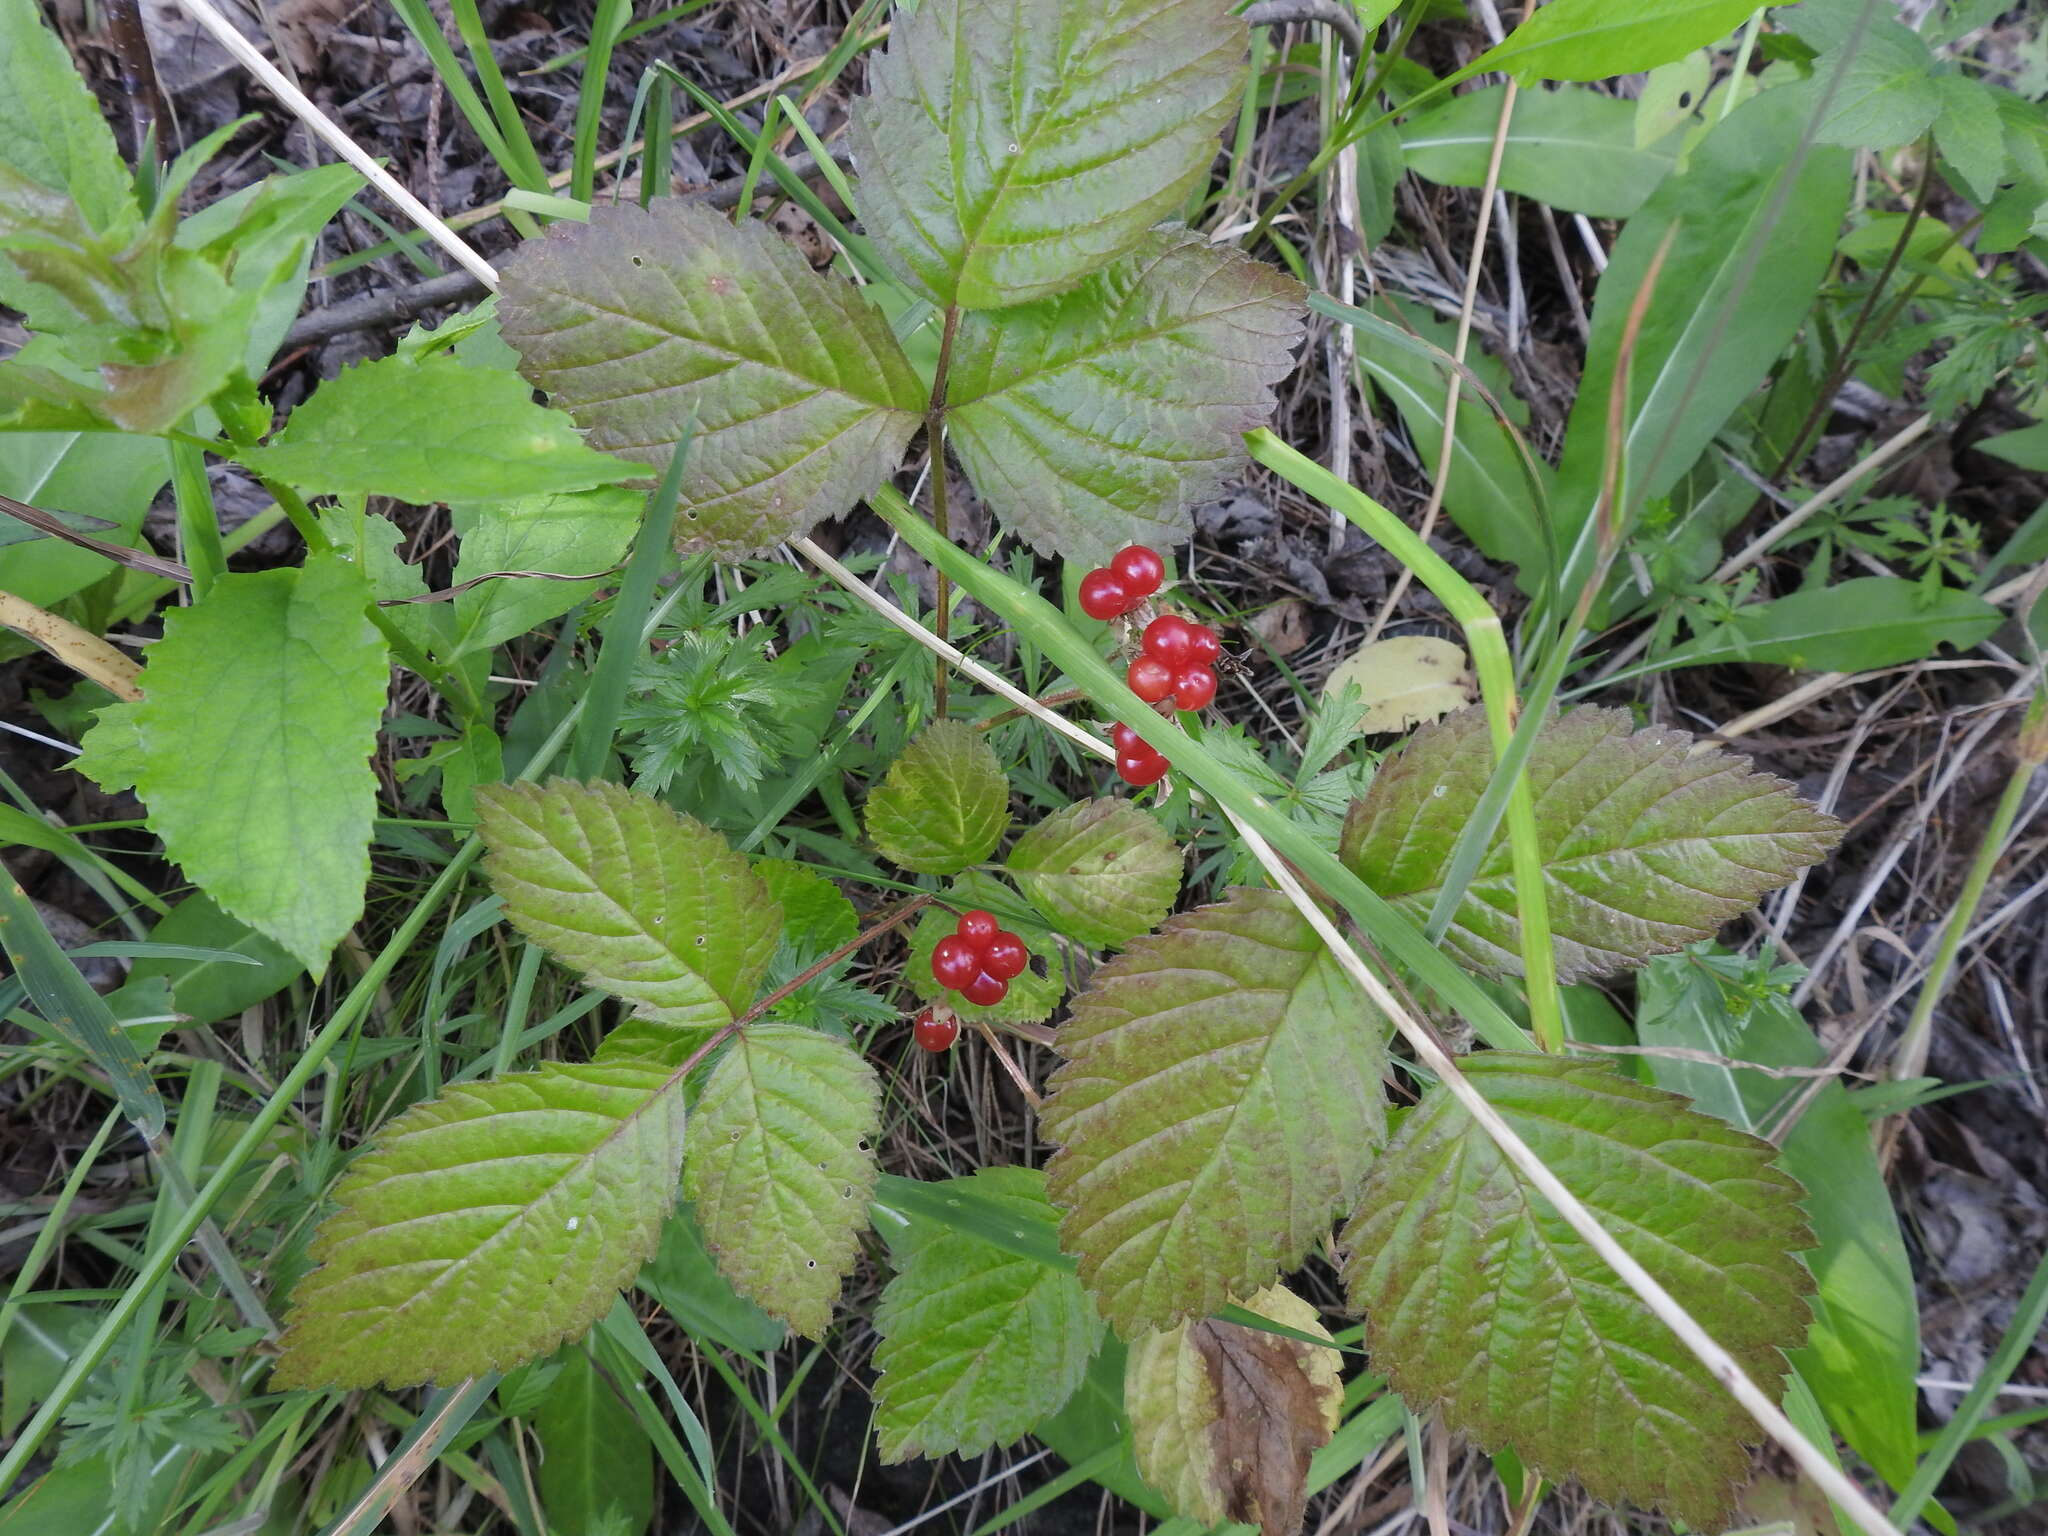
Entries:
{"x":1032,"y":996}
{"x":1864,"y":1351}
{"x":1592,"y":39}
{"x":944,"y":804}
{"x":1220,"y":1100}
{"x":1102,"y":870}
{"x":649,"y":904}
{"x":1574,"y":150}
{"x":568,"y":534}
{"x":485,"y":1227}
{"x":206,"y":991}
{"x":2027,"y":447}
{"x":1225,"y":1418}
{"x":596,"y":1464}
{"x":431,"y":429}
{"x":1007,"y":150}
{"x":647,"y":324}
{"x":1480,"y":1299}
{"x":1886,"y":95}
{"x":260,"y":709}
{"x":1867,"y":621}
{"x":1971,"y":137}
{"x":1716,"y":322}
{"x":107,"y":475}
{"x":1096,"y":419}
{"x":1646,"y":845}
{"x":977,"y":1344}
{"x":51,"y":128}
{"x":780,"y":1168}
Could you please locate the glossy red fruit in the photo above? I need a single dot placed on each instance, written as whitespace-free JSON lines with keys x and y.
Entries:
{"x":1150,"y":678}
{"x":1171,"y":639}
{"x":1124,"y":738}
{"x":1005,"y":956}
{"x":1204,"y":647}
{"x":1141,"y":771}
{"x":955,"y":962}
{"x":1194,"y":687}
{"x":1103,"y":596}
{"x":977,"y":927}
{"x":985,"y":990}
{"x":935,"y":1030}
{"x":1139,"y":569}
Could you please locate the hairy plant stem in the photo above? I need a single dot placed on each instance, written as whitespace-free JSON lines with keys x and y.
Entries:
{"x":935,"y":443}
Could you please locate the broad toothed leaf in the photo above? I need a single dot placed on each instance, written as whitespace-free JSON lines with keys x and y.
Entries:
{"x":484,"y":1227}
{"x":1224,"y":1418}
{"x":944,"y":804}
{"x":1097,"y":419}
{"x":1219,"y":1103}
{"x":1102,"y":870}
{"x":978,"y":1344}
{"x":1647,"y":845}
{"x":1008,"y":148}
{"x":780,"y":1168}
{"x":650,"y":905}
{"x":647,"y":324}
{"x":1480,"y":1299}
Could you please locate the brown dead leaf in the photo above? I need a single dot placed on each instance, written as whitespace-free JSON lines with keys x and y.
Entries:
{"x":1284,"y":626}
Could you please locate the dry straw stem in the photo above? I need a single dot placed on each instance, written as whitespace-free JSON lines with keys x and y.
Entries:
{"x":1815,"y":1463}
{"x":79,"y":649}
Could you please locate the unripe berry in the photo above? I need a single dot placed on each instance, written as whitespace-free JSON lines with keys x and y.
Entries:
{"x":935,"y":1029}
{"x":985,"y":991}
{"x":1150,"y":678}
{"x":1139,"y":569}
{"x":1103,"y":596}
{"x":1005,"y":956}
{"x":955,"y":962}
{"x":1171,"y":639}
{"x":978,"y":927}
{"x":1194,"y":687}
{"x":1140,"y":771}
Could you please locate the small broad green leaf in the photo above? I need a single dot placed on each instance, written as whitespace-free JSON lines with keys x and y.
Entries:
{"x":485,"y":1227}
{"x":1102,"y":871}
{"x":431,"y":429}
{"x":2026,"y":447}
{"x":977,"y":1344}
{"x":205,"y":991}
{"x":51,"y":128}
{"x":1971,"y":137}
{"x":568,"y":534}
{"x":652,"y":325}
{"x":1592,"y":39}
{"x":1032,"y":996}
{"x":1006,"y":151}
{"x":1849,"y":626}
{"x":252,"y":744}
{"x":647,"y":903}
{"x":596,"y":1465}
{"x":1647,"y":845}
{"x":1886,"y":95}
{"x":1097,"y":419}
{"x":780,"y":1168}
{"x":1479,"y":1298}
{"x":1219,"y":1102}
{"x":945,"y":803}
{"x":1573,"y":149}
{"x":1226,"y":1417}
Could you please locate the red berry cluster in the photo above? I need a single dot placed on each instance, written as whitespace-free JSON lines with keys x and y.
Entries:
{"x":936,"y":1029}
{"x":1174,"y":660}
{"x":979,"y":960}
{"x":1132,"y":575}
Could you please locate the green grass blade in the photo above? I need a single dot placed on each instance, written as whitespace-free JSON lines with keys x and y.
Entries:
{"x":605,"y":27}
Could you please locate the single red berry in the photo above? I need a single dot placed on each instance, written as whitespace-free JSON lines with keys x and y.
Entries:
{"x":1103,"y":596}
{"x":977,"y":928}
{"x":1005,"y":956}
{"x":1139,"y":569}
{"x":1141,"y":771}
{"x":1150,"y":678}
{"x":1194,"y":687}
{"x":1171,"y":639}
{"x":1204,"y":647}
{"x":935,"y":1030}
{"x":985,"y":991}
{"x":1126,"y":739}
{"x":955,"y":962}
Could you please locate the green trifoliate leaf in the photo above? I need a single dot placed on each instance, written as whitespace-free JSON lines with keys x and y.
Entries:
{"x":1102,"y":871}
{"x":978,"y":1344}
{"x":1224,"y":1418}
{"x":1032,"y":996}
{"x":649,"y":324}
{"x":780,"y":1168}
{"x":431,"y":429}
{"x":1007,"y":150}
{"x":484,"y":1227}
{"x":1647,"y":846}
{"x":259,"y":713}
{"x":1097,"y":419}
{"x":945,"y":803}
{"x":1480,"y":1299}
{"x":651,"y":905}
{"x":1219,"y":1104}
